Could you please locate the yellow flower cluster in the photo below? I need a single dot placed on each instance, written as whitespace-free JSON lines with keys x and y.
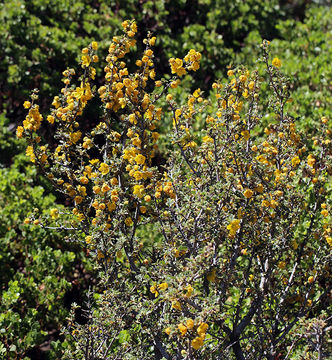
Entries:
{"x":33,"y":120}
{"x":189,"y":328}
{"x":177,"y":66}
{"x":192,"y":60}
{"x":233,"y":227}
{"x":156,"y":288}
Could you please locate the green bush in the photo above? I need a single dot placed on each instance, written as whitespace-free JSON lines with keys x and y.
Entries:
{"x":37,"y":265}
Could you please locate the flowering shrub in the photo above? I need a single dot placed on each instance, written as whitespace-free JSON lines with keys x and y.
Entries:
{"x":218,"y":253}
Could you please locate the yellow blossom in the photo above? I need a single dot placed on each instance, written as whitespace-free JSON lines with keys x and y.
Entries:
{"x":276,"y":62}
{"x":129,"y":221}
{"x":104,"y":168}
{"x":295,"y":161}
{"x":54,"y":213}
{"x":189,"y":290}
{"x":177,"y":66}
{"x":154,"y":291}
{"x":324,"y":212}
{"x":86,"y":60}
{"x":201,"y":330}
{"x":197,"y":343}
{"x":50,"y":119}
{"x":140,"y":159}
{"x":176,"y":305}
{"x":233,"y":227}
{"x":183,"y":329}
{"x":19,"y":131}
{"x":105,"y":188}
{"x":163,"y":286}
{"x":311,"y":160}
{"x":190,"y":324}
{"x":248,"y":193}
{"x":30,"y":152}
{"x":138,"y":190}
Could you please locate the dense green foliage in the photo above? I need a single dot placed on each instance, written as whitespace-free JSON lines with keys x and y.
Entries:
{"x":41,"y":38}
{"x":37,"y":266}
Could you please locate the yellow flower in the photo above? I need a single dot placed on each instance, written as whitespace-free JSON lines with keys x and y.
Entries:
{"x":245,"y":134}
{"x":183,"y":329}
{"x":86,"y":60}
{"x":282,"y":265}
{"x":193,"y":58}
{"x":324,"y":212}
{"x":142,"y":209}
{"x":54,"y":213}
{"x":154,"y":291}
{"x":104,"y":168}
{"x":74,"y":137}
{"x":248,"y":193}
{"x":311,"y":279}
{"x":295,"y":161}
{"x":168,"y":331}
{"x":207,"y":139}
{"x":84,"y":180}
{"x":189,"y":290}
{"x":276,"y":62}
{"x":233,"y":227}
{"x":201,"y":330}
{"x":50,"y":119}
{"x":147,"y":198}
{"x":177,"y":66}
{"x":176,"y":305}
{"x":26,"y":104}
{"x":140,"y":159}
{"x":129,"y":221}
{"x":138,"y":191}
{"x":311,"y":160}
{"x":19,"y":131}
{"x":78,"y":199}
{"x":105,"y":188}
{"x":163,"y":286}
{"x":29,"y":151}
{"x":197,"y":343}
{"x":190,"y":324}
{"x":259,"y":188}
